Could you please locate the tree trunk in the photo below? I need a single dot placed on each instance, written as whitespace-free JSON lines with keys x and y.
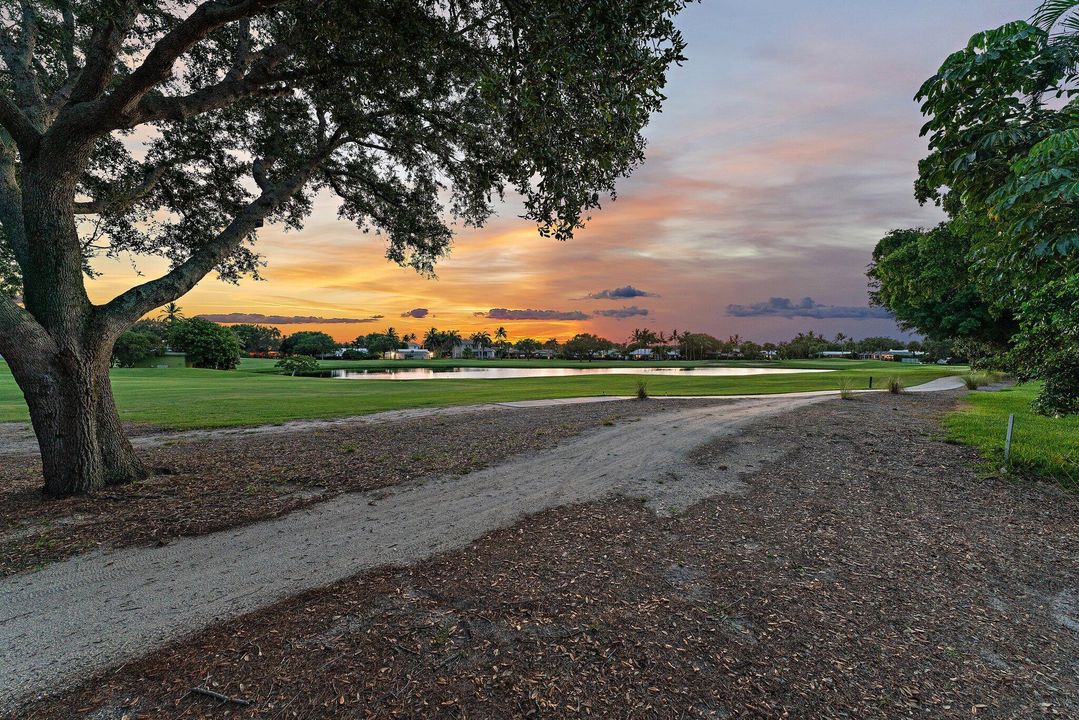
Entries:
{"x":83,"y":446}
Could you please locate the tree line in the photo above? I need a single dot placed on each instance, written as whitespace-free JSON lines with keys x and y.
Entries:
{"x":211,"y":345}
{"x":1000,"y":277}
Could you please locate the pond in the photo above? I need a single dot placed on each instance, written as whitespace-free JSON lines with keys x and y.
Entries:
{"x":503,"y":373}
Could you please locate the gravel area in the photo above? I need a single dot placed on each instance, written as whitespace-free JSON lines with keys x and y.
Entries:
{"x":206,"y":481}
{"x":866,"y":572}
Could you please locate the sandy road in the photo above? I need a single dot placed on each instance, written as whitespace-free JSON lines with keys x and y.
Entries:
{"x":72,"y":618}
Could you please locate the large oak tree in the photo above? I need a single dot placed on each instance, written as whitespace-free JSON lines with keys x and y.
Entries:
{"x":177,"y":129}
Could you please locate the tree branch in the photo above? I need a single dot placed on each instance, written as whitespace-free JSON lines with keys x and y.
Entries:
{"x":20,"y":333}
{"x":129,"y":306}
{"x":151,"y":176}
{"x":158,"y":64}
{"x":212,"y":98}
{"x":18,"y":53}
{"x":105,"y":45}
{"x":11,"y":216}
{"x":18,"y":125}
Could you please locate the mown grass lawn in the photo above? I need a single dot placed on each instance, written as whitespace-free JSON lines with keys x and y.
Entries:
{"x":1042,"y":447}
{"x":254,"y":395}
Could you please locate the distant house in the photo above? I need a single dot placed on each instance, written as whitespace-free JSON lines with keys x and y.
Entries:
{"x":340,"y":352}
{"x":642,"y":354}
{"x":471,"y":349}
{"x":834,"y":354}
{"x":900,"y":355}
{"x":412,"y":352}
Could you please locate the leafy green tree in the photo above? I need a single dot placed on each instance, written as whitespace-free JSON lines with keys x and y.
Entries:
{"x":206,"y":344}
{"x":297,"y":364}
{"x":926,"y":279}
{"x":585,"y":346}
{"x":877,"y":344}
{"x":410,"y":112}
{"x":699,"y":346}
{"x":308,"y":342}
{"x":1004,"y":163}
{"x":155,"y":327}
{"x":802,"y":346}
{"x":527,"y":346}
{"x":257,"y":338}
{"x":1046,"y":348}
{"x":134,"y":346}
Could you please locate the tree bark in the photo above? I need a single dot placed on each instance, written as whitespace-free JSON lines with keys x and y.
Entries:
{"x":83,"y":446}
{"x":65,"y":378}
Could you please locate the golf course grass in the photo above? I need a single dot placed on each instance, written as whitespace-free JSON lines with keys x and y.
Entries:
{"x":1042,"y":447}
{"x":255,"y":394}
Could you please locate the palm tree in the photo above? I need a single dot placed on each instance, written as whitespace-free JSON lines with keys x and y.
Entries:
{"x":501,"y":336}
{"x":481,"y":338}
{"x":171,"y":313}
{"x":450,"y":338}
{"x":432,"y":340}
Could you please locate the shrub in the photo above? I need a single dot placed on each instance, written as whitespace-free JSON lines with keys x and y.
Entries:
{"x":134,"y":346}
{"x":973,"y":381}
{"x":846,"y":388}
{"x":642,"y":390}
{"x":297,"y":364}
{"x":207,"y":344}
{"x":894,"y":385}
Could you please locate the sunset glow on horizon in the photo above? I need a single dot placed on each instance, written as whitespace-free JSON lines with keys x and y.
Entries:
{"x":780,"y":159}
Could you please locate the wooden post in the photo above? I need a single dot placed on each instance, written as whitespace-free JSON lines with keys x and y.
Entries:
{"x":870,"y":382}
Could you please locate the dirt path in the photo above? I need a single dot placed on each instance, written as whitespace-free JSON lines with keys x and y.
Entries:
{"x":80,"y":615}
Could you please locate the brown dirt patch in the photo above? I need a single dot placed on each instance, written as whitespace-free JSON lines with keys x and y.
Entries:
{"x":869,"y":573}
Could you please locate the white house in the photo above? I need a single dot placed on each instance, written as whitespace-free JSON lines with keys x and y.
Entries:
{"x":413,"y":352}
{"x":642,"y":354}
{"x":474,"y":350}
{"x":340,"y":352}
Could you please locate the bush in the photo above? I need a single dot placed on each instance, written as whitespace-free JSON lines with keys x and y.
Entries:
{"x":207,"y":344}
{"x":894,"y":385}
{"x":642,"y":390}
{"x":846,"y":388}
{"x":1048,"y":346}
{"x":308,"y":342}
{"x":297,"y":364}
{"x":134,"y":346}
{"x":973,"y":381}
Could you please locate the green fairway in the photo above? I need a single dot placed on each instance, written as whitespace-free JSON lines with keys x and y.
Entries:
{"x":254,"y":395}
{"x":1041,"y":446}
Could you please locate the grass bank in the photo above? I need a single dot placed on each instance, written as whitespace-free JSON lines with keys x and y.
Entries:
{"x":1042,"y":447}
{"x":186,"y":398}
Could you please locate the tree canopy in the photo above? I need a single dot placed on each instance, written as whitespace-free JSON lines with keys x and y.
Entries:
{"x":179,"y":129}
{"x":925,"y":278}
{"x":1003,"y":162}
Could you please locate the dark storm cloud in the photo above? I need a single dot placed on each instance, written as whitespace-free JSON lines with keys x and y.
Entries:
{"x":622,"y":293}
{"x":784,"y":307}
{"x":622,"y":312}
{"x":260,"y":319}
{"x":416,"y":313}
{"x":529,"y":314}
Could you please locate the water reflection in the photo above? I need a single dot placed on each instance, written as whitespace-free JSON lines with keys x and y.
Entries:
{"x":503,"y":373}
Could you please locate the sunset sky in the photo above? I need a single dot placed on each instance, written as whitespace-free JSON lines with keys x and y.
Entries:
{"x":787,"y":147}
